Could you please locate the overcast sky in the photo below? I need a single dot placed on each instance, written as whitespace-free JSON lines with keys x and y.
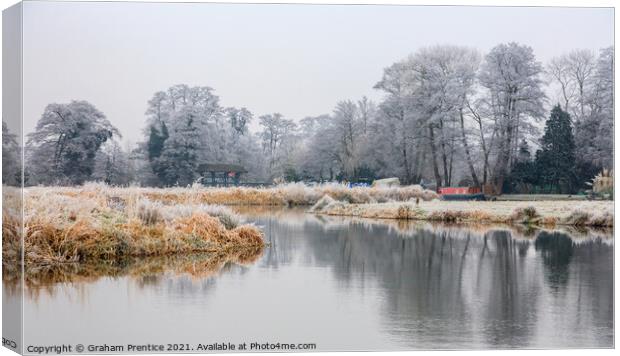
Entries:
{"x":298,"y":60}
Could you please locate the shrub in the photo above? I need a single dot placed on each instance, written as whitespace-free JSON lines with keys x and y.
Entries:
{"x":149,"y":213}
{"x":322,"y":203}
{"x":403,"y":212}
{"x":578,"y":218}
{"x":525,"y":215}
{"x":604,"y":219}
{"x":225,"y":215}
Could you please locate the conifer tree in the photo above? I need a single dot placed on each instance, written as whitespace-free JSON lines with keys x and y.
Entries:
{"x":556,"y":158}
{"x":524,"y":173}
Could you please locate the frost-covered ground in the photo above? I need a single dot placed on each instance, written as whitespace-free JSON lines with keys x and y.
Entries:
{"x":576,"y":213}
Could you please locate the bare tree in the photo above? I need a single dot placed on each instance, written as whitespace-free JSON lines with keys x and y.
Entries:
{"x":514,"y":97}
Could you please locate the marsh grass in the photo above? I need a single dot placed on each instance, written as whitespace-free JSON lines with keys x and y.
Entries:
{"x":580,"y":217}
{"x":291,"y":194}
{"x":98,"y":223}
{"x":527,"y":215}
{"x":298,"y":218}
{"x":565,"y":213}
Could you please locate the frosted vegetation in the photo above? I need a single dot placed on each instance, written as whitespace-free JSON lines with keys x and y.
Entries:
{"x":296,"y":218}
{"x":179,"y":201}
{"x":94,"y":223}
{"x":449,"y":116}
{"x":598,"y":214}
{"x":97,"y":221}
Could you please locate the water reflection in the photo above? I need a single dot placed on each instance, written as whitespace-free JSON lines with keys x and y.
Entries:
{"x":556,"y":251}
{"x":475,"y":286}
{"x":146,"y":271}
{"x":350,"y":284}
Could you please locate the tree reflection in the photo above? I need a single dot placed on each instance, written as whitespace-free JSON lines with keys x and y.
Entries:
{"x":472,"y":287}
{"x":556,"y":251}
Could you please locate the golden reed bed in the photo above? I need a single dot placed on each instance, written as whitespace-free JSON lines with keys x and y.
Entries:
{"x":282,"y":195}
{"x":98,"y":222}
{"x":61,"y":227}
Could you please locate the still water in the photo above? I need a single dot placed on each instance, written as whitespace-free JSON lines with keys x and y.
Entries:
{"x":354,"y":285}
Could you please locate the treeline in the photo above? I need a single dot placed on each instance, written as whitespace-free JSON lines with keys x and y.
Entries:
{"x":452,"y":117}
{"x":449,"y":116}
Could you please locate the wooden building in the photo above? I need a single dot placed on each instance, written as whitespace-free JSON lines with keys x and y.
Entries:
{"x":221,"y":174}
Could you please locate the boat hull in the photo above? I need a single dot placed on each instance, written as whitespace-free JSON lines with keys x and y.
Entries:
{"x":476,"y":196}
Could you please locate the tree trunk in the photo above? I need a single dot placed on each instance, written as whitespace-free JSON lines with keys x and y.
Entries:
{"x":470,"y":162}
{"x":503,"y":159}
{"x":415,"y":175}
{"x":406,"y":163}
{"x":444,"y":155}
{"x":434,"y":156}
{"x":404,"y":148}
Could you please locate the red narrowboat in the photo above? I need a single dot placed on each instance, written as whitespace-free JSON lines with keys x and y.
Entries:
{"x":461,"y":193}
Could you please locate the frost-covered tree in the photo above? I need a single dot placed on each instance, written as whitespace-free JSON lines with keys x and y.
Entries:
{"x":113,"y":165}
{"x":187,"y":127}
{"x":340,"y":145}
{"x":595,"y":132}
{"x":184,"y":149}
{"x":11,"y":167}
{"x":239,"y":142}
{"x":239,"y":119}
{"x":317,"y":158}
{"x":158,"y":119}
{"x":402,"y":142}
{"x":348,"y":126}
{"x":67,"y":138}
{"x":443,"y":78}
{"x":425,"y":109}
{"x":514,"y":98}
{"x":585,"y":84}
{"x":573,"y":72}
{"x":525,"y":174}
{"x":183,"y":131}
{"x":278,"y":140}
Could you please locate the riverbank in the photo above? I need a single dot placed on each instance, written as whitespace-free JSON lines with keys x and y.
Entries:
{"x":298,"y":217}
{"x":99,"y":222}
{"x":292,"y":194}
{"x":98,"y":226}
{"x":539,"y":213}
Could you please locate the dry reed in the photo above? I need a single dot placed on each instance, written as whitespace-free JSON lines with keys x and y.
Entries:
{"x":281,"y":195}
{"x":97,"y":223}
{"x":543,"y":214}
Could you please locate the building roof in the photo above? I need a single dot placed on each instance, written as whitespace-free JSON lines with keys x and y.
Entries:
{"x":221,"y":167}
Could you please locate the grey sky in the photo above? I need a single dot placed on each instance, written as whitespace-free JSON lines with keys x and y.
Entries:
{"x":298,"y":60}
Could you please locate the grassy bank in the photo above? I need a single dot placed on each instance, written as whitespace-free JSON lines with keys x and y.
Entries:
{"x":99,"y":222}
{"x":94,"y":225}
{"x":539,"y":213}
{"x":297,"y":218}
{"x":282,"y":195}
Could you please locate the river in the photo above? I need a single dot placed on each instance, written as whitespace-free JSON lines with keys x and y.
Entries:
{"x":350,"y":284}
